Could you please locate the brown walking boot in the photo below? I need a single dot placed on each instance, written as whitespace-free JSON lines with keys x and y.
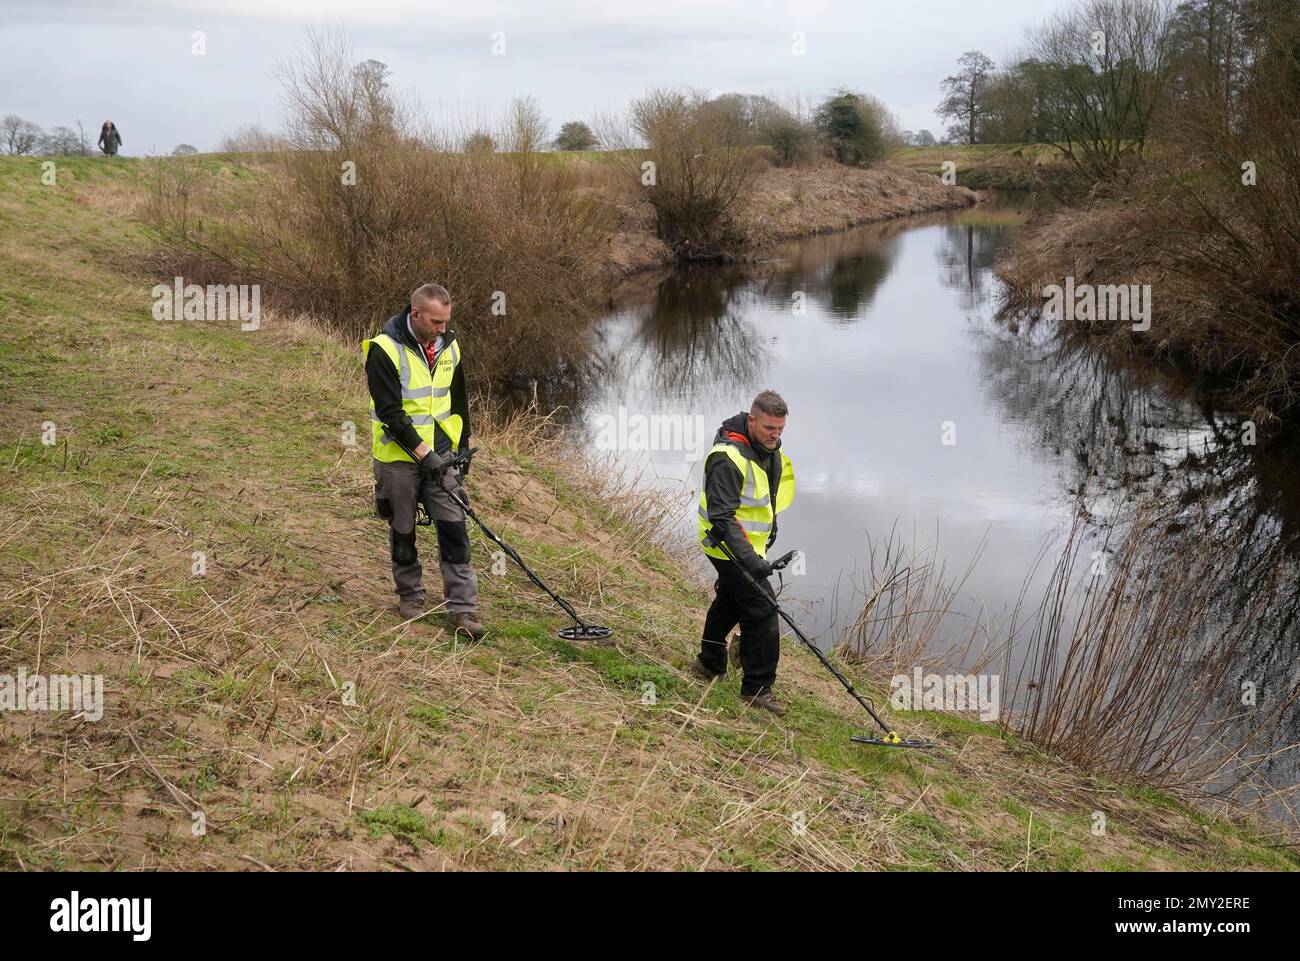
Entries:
{"x":766,"y":701}
{"x":411,"y":608}
{"x":468,"y":624}
{"x":703,"y":673}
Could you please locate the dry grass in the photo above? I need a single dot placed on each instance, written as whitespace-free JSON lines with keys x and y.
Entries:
{"x":783,"y":203}
{"x":1129,"y":663}
{"x":788,"y":202}
{"x":1132,"y":666}
{"x":907,"y":603}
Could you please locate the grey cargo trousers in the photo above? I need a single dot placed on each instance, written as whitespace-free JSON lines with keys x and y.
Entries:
{"x":400,"y":484}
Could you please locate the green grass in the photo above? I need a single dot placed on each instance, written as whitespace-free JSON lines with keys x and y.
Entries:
{"x":984,"y":166}
{"x":399,"y":821}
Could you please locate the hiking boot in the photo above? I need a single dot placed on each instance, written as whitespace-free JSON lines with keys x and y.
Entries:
{"x":468,"y":624}
{"x":703,"y":673}
{"x":411,"y":608}
{"x":766,"y":701}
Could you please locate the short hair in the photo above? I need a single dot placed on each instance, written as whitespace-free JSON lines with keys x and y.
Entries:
{"x":428,"y":293}
{"x":771,"y":403}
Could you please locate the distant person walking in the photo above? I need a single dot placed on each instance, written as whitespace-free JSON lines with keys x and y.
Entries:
{"x":109,"y":139}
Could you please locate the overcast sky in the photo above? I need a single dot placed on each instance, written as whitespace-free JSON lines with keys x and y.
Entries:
{"x":131,"y":60}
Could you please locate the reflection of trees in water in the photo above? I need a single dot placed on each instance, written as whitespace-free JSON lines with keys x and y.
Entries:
{"x":568,"y":390}
{"x":966,"y":257}
{"x":1125,"y":436}
{"x":838,"y":275}
{"x":686,"y":337}
{"x":1109,"y":423}
{"x":690,"y":339}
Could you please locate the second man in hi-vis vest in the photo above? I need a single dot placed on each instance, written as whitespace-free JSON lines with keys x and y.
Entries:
{"x":748,"y":480}
{"x":418,"y":403}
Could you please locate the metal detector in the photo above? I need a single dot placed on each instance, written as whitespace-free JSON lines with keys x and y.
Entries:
{"x":890,"y":737}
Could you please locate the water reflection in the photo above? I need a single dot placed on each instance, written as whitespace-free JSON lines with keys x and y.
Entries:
{"x":830,"y":276}
{"x":689,"y":332}
{"x":1120,"y":433}
{"x":1127,"y":438}
{"x":966,"y":255}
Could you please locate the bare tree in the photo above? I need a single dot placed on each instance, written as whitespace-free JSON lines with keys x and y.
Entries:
{"x":1105,"y":71}
{"x":698,"y":165}
{"x":333,"y":102}
{"x":962,"y":103}
{"x":61,"y":142}
{"x":526,"y":128}
{"x":251,"y":139}
{"x":19,"y":136}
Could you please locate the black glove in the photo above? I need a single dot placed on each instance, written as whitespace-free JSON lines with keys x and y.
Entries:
{"x":760,"y":569}
{"x":432,"y":466}
{"x":782,"y":562}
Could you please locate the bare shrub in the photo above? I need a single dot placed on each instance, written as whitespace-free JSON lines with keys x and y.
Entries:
{"x":362,"y":203}
{"x":250,"y":139}
{"x":699,"y":165}
{"x":1134,"y":667}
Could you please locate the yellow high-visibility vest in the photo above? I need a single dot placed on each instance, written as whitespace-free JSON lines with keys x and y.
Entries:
{"x":426,"y":397}
{"x":756,"y":512}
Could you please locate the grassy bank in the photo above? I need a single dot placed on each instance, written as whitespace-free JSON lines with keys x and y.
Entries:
{"x":784,"y":203}
{"x":279,"y":697}
{"x":988,"y":166}
{"x":1222,"y":317}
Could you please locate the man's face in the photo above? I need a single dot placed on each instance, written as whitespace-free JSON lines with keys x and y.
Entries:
{"x":765,"y":428}
{"x":429,"y":320}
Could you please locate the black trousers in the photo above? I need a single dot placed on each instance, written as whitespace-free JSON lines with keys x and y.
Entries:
{"x":737,"y":601}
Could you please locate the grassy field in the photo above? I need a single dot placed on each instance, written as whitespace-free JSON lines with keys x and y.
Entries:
{"x":277,"y":702}
{"x":985,"y":166}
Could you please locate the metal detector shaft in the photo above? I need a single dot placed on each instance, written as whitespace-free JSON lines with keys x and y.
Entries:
{"x":848,"y":686}
{"x":510,"y":552}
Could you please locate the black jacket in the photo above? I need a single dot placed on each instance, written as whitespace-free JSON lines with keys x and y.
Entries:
{"x":386,"y":389}
{"x":722,"y":484}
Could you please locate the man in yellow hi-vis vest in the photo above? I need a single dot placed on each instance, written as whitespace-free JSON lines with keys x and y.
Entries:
{"x":748,"y":480}
{"x":418,"y":403}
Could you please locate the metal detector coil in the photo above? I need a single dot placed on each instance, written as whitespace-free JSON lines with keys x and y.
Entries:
{"x":891,"y":740}
{"x":585,"y":632}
